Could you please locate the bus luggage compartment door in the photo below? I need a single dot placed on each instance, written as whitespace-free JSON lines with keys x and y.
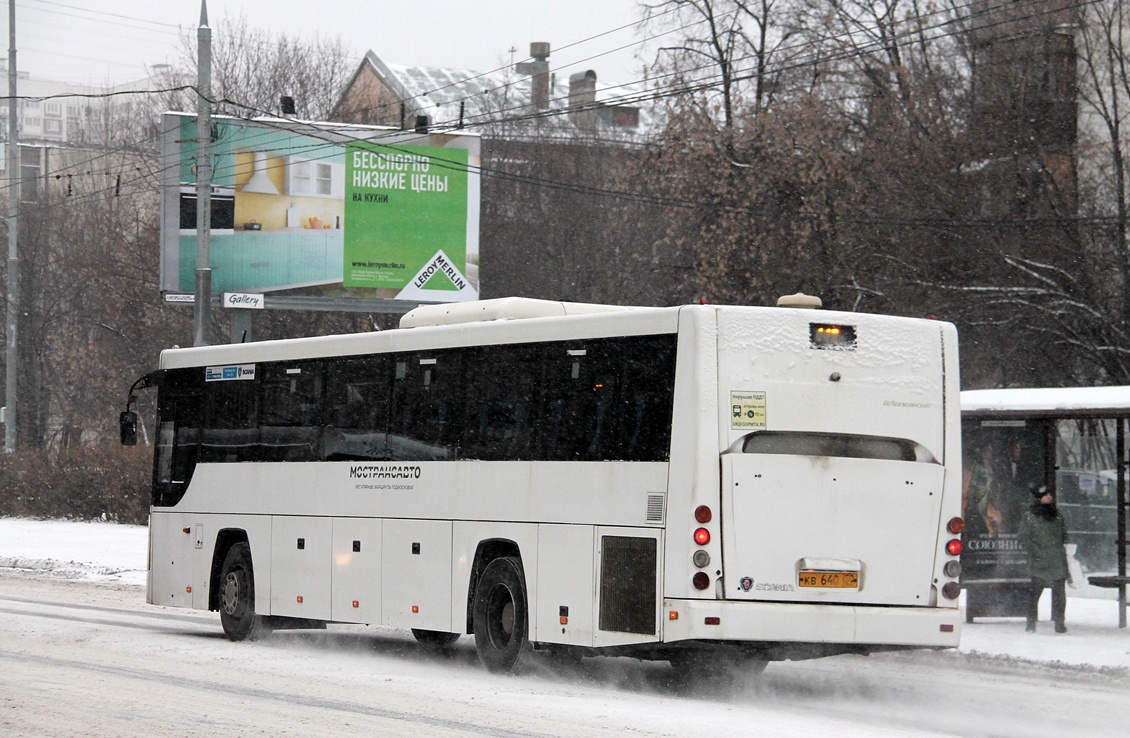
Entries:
{"x":829,"y":529}
{"x":172,"y":544}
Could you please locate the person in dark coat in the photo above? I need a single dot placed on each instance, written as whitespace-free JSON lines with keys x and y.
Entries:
{"x":1043,"y":532}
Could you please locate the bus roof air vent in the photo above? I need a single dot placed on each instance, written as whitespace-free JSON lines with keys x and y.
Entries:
{"x":800,"y":300}
{"x":502,"y":308}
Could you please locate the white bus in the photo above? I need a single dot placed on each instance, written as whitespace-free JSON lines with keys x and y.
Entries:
{"x":670,"y":483}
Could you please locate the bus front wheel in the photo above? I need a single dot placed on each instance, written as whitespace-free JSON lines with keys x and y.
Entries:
{"x":500,"y":615}
{"x":237,"y":597}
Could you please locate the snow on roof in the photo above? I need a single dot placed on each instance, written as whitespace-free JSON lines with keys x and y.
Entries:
{"x":437,"y":92}
{"x":1047,"y":401}
{"x":496,"y":95}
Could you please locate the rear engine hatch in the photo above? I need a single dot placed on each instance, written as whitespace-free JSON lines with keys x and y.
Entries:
{"x":832,"y":529}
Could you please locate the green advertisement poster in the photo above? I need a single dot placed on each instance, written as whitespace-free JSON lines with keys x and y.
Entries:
{"x":406,"y":220}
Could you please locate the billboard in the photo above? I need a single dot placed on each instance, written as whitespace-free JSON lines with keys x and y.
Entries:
{"x":324,"y":209}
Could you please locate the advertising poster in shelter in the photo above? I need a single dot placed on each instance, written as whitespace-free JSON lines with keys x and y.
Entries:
{"x":1004,"y":460}
{"x":322,"y":209}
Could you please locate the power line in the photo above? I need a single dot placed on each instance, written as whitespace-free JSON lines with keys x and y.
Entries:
{"x":133,"y":21}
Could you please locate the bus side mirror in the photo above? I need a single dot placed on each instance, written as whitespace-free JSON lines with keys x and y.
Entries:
{"x":127,"y":422}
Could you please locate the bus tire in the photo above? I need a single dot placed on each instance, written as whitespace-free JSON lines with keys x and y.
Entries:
{"x":237,"y":597}
{"x":501,"y":616}
{"x":434,"y":638}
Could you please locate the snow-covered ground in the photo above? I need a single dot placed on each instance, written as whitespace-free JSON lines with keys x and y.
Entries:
{"x":117,"y":553}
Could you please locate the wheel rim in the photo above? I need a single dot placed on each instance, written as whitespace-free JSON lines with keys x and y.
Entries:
{"x":233,"y":594}
{"x":500,"y":617}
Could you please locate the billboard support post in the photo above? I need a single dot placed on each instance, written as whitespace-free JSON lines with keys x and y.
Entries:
{"x":202,"y":335}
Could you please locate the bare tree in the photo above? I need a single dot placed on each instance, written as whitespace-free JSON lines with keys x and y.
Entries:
{"x":732,"y":51}
{"x":252,"y":70}
{"x":1096,"y":320}
{"x":92,"y":320}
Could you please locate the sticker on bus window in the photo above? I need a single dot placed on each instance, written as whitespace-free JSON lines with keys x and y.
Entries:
{"x":226,"y":373}
{"x":747,"y":411}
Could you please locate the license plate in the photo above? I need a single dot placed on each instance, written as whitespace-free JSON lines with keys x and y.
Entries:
{"x":829,"y":579}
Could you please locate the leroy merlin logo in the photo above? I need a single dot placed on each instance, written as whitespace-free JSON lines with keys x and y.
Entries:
{"x":441,"y":274}
{"x":437,"y":280}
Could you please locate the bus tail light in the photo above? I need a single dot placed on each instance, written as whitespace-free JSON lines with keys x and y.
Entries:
{"x":951,"y":590}
{"x":702,"y":514}
{"x":701,"y":580}
{"x":954,"y":547}
{"x":701,"y":536}
{"x":955,"y":526}
{"x":952,"y":568}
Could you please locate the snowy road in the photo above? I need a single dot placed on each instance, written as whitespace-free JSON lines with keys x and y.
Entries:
{"x":81,"y":658}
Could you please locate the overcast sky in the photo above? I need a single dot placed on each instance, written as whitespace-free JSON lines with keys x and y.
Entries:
{"x":115,"y":41}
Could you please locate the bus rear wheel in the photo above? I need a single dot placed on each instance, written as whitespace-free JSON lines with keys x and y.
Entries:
{"x":237,"y":597}
{"x":500,"y":616}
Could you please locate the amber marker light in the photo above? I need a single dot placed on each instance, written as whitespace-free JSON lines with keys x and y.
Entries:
{"x":356,"y":603}
{"x":300,"y":599}
{"x":188,"y":589}
{"x":672,"y":615}
{"x":415,"y":608}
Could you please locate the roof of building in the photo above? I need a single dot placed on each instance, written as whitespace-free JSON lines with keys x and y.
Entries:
{"x":450,"y":96}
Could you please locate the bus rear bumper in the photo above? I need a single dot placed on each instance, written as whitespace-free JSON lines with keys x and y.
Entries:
{"x":775,"y":622}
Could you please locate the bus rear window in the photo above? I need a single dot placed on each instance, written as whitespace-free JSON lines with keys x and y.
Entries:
{"x":835,"y":444}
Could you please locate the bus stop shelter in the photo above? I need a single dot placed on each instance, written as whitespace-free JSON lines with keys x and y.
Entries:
{"x":1073,"y":440}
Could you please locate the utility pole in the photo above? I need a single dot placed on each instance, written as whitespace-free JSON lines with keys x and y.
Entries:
{"x":11,"y":375}
{"x":203,"y":299}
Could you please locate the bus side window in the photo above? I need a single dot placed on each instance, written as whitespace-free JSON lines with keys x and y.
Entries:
{"x":501,"y":388}
{"x":646,"y":399}
{"x":577,"y":417}
{"x":426,"y":418}
{"x":289,"y":422}
{"x":357,"y":406}
{"x":230,"y":432}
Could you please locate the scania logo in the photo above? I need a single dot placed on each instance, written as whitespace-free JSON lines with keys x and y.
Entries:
{"x":747,"y":584}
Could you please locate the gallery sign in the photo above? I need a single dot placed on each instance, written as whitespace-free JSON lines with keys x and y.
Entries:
{"x":324,"y":209}
{"x":244,"y":300}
